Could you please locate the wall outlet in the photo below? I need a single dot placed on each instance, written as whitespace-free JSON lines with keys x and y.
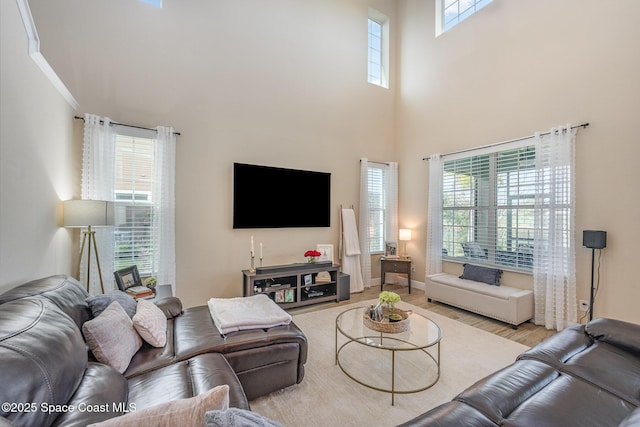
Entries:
{"x":584,"y":305}
{"x":413,"y":269}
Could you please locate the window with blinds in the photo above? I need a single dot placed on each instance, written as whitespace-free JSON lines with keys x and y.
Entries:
{"x":134,"y":203}
{"x":377,"y":203}
{"x":488,"y":208}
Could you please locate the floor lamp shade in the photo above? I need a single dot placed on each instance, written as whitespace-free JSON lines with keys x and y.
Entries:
{"x":85,"y":213}
{"x":88,"y":213}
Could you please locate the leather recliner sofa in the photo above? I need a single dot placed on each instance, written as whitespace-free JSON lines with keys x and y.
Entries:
{"x":583,"y":376}
{"x":45,"y":363}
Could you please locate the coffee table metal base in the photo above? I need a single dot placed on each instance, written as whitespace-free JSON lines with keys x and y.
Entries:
{"x":430,"y":359}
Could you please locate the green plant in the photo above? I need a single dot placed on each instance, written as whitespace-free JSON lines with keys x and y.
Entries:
{"x":389,"y":298}
{"x":150,"y":282}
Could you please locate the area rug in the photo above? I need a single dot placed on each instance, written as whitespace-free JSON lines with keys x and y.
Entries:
{"x":327,"y":397}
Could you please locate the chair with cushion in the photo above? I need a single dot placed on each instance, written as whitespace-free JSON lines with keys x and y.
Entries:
{"x":473,"y":250}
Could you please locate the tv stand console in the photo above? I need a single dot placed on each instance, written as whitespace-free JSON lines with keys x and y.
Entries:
{"x":294,"y":285}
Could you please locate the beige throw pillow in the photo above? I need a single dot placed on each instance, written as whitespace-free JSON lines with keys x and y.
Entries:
{"x":112,"y":338}
{"x":181,"y":412}
{"x":151,"y":323}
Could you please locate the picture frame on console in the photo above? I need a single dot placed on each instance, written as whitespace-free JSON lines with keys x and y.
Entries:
{"x":127,"y":277}
{"x":391,"y":249}
{"x":326,"y":252}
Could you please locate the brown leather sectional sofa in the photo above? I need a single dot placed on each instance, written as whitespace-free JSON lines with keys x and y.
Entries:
{"x":582,"y":376}
{"x":44,"y":359}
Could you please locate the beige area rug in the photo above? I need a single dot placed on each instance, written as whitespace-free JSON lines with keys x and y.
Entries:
{"x":327,"y":397}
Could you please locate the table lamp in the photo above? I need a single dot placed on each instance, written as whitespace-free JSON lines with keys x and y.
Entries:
{"x":404,"y":234}
{"x":88,"y":213}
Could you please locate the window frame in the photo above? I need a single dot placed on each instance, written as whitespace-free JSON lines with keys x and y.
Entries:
{"x":443,"y":24}
{"x":383,"y":21}
{"x":517,"y":258}
{"x":132,"y":205}
{"x":377,"y":235}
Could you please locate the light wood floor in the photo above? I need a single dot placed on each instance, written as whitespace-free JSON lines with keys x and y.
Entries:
{"x":527,"y":333}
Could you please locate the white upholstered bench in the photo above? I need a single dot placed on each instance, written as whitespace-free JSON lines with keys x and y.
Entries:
{"x":511,"y":305}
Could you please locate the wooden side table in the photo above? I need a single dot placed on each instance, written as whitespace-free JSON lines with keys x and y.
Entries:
{"x":395,"y":265}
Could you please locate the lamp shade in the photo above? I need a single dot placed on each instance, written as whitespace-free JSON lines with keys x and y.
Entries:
{"x":84,"y":213}
{"x":404,"y":234}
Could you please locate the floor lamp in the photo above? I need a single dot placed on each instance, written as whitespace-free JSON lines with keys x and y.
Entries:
{"x":88,"y":213}
{"x":594,"y":239}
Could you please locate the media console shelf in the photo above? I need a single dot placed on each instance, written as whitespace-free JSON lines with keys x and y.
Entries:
{"x":294,"y":285}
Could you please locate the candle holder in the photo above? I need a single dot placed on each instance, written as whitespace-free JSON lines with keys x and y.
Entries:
{"x":260,"y":261}
{"x":252,"y":269}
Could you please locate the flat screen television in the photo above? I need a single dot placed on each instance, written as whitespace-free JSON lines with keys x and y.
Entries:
{"x":270,"y":197}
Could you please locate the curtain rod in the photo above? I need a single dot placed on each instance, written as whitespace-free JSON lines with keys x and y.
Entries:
{"x":583,"y":125}
{"x":122,"y":124}
{"x":380,"y":163}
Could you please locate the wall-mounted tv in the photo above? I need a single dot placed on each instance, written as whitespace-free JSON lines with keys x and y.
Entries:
{"x":271,"y":197}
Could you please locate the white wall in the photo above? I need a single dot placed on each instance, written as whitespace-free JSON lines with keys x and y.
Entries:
{"x":282,"y":83}
{"x":279,"y":83}
{"x":523,"y":66}
{"x":37,"y":162}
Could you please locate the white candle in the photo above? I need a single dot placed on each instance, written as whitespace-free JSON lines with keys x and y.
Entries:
{"x":260,"y":250}
{"x":251,"y":245}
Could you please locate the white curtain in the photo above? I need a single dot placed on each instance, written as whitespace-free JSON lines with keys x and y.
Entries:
{"x":363,"y":226}
{"x":98,"y":157}
{"x":164,"y":206}
{"x":390,"y":208}
{"x":98,"y":183}
{"x":554,"y":279}
{"x":391,"y":202}
{"x":434,"y":216}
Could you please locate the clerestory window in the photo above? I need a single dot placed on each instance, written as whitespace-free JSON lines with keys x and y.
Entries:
{"x":378,"y":49}
{"x":450,"y":13}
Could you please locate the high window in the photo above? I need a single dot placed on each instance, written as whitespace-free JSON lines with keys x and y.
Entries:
{"x":450,"y":13}
{"x":156,"y":3}
{"x":488,"y":208}
{"x":378,"y":46}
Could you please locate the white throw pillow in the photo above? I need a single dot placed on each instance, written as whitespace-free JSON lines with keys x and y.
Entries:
{"x":181,"y":412}
{"x":151,"y":323}
{"x":112,"y":338}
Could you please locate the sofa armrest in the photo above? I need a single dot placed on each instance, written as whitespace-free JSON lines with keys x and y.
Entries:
{"x":5,"y":422}
{"x":620,"y":334}
{"x":170,"y":306}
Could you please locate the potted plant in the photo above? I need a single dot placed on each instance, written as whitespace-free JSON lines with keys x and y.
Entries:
{"x":390,"y":298}
{"x":150,"y":282}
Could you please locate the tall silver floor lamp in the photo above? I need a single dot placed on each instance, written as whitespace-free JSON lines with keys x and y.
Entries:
{"x":88,"y":213}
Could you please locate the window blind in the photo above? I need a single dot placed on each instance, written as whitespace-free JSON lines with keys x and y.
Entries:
{"x":488,"y":208}
{"x":134,"y":200}
{"x":377,"y":203}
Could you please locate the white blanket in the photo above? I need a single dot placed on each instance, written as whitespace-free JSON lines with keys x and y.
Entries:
{"x":254,"y":312}
{"x":350,"y":233}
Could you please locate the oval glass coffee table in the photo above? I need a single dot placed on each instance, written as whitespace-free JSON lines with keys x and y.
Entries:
{"x":423,"y":333}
